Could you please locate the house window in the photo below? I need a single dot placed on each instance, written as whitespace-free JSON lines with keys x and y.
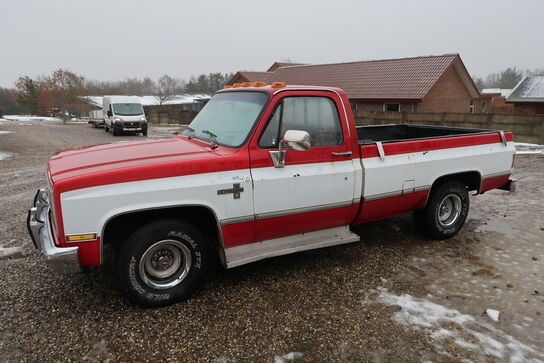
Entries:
{"x":391,"y":107}
{"x":484,"y":107}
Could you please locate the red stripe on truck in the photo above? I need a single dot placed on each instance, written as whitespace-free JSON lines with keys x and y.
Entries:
{"x":372,"y":210}
{"x":494,"y":182}
{"x":405,"y":147}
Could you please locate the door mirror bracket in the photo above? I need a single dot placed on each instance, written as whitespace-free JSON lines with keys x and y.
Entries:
{"x":293,"y":139}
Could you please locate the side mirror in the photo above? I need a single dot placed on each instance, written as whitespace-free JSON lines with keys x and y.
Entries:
{"x":110,"y":114}
{"x":297,"y":140}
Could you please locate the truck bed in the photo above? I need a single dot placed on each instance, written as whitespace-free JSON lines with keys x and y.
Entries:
{"x":388,"y":133}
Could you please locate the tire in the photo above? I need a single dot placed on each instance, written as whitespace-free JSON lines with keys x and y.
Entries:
{"x":151,"y":283}
{"x":106,"y":128}
{"x":144,"y":133}
{"x":114,"y":132}
{"x":446,"y":211}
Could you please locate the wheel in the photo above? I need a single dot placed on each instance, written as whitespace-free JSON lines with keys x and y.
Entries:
{"x":114,"y":131}
{"x":106,"y":128}
{"x":163,"y":263}
{"x":446,"y":211}
{"x":144,"y":133}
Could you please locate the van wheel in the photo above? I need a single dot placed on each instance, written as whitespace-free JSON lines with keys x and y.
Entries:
{"x":114,"y":132}
{"x":446,"y":211}
{"x":163,"y":263}
{"x":106,"y":128}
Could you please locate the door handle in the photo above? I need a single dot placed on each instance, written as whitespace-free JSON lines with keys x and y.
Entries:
{"x":345,"y":153}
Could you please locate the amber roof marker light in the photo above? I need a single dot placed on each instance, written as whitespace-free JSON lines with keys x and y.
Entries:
{"x":278,"y":84}
{"x":259,"y":84}
{"x":227,"y":86}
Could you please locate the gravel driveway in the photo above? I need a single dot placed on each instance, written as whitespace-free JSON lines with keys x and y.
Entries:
{"x":394,"y":296}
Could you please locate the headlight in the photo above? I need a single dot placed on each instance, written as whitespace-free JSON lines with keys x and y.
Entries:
{"x":117,"y":119}
{"x":142,"y":119}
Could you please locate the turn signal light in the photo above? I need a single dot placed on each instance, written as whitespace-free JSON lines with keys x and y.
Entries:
{"x":81,"y":237}
{"x":278,"y":84}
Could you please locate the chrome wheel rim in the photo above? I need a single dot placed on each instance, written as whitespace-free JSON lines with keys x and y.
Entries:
{"x":165,"y":264}
{"x":449,"y":210}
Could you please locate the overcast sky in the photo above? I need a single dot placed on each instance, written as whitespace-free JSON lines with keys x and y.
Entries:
{"x":116,"y":39}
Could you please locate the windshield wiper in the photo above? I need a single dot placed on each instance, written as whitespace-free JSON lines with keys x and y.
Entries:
{"x":190,"y":132}
{"x":213,"y":137}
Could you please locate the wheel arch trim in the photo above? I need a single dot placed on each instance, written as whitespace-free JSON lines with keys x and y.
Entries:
{"x":158,"y":208}
{"x":451,"y":176}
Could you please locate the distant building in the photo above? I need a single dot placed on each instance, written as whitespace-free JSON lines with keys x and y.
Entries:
{"x":528,"y":96}
{"x":497,"y":100}
{"x":421,"y":84}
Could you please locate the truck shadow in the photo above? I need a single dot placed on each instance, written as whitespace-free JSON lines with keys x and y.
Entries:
{"x":384,"y":245}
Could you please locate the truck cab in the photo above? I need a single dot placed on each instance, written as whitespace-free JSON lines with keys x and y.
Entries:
{"x":123,"y":114}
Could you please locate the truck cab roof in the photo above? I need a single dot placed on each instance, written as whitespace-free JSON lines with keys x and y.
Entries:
{"x":273,"y":89}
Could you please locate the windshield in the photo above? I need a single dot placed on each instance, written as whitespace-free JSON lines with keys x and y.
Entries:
{"x":128,"y":109}
{"x":229,"y":117}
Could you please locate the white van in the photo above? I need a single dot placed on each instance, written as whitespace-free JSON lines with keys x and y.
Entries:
{"x":122,"y":114}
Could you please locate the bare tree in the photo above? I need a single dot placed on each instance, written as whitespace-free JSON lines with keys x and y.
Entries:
{"x":167,"y":87}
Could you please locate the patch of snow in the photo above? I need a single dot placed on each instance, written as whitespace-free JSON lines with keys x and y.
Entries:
{"x":288,"y":357}
{"x":505,"y":92}
{"x":529,"y":88}
{"x":493,"y":314}
{"x":5,"y":132}
{"x":29,"y":118}
{"x":446,"y":326}
{"x":526,"y":148}
{"x":4,"y":156}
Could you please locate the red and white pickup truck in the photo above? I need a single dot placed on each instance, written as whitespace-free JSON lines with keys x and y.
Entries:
{"x":262,"y":171}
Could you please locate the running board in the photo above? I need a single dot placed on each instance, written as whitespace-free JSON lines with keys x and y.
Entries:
{"x":240,"y":255}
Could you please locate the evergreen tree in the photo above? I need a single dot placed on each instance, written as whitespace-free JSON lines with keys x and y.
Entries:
{"x":28,"y":94}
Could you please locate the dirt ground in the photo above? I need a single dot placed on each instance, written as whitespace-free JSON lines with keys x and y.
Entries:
{"x":394,"y":296}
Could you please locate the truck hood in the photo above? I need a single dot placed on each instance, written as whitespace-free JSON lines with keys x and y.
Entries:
{"x":100,"y":159}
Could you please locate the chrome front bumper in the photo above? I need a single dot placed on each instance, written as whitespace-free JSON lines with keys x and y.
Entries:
{"x":60,"y":259}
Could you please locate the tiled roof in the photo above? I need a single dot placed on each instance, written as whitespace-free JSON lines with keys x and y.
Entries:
{"x":530,"y":89}
{"x":406,"y":78}
{"x":277,"y":65}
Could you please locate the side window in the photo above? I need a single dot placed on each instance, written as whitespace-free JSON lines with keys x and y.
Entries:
{"x":269,"y":138}
{"x":316,"y":115}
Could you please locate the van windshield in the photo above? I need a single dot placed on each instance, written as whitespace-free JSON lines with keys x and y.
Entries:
{"x":229,"y":117}
{"x":128,"y":109}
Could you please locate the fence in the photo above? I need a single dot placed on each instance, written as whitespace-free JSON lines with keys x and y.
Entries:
{"x":169,"y":114}
{"x":526,"y":128}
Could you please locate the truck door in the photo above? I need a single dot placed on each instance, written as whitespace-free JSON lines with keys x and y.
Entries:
{"x":315,"y":188}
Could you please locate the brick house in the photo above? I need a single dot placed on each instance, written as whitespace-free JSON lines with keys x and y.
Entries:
{"x":497,"y":100}
{"x":421,"y":84}
{"x":528,"y":96}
